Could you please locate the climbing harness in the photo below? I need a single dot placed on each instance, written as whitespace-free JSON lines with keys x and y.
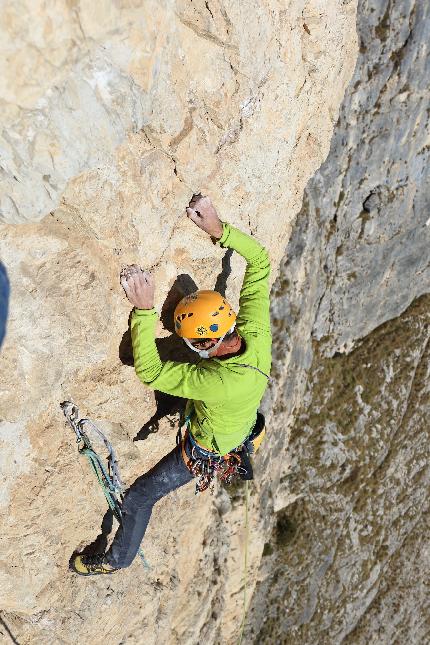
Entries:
{"x":205,"y":470}
{"x":108,"y":477}
{"x":206,"y":466}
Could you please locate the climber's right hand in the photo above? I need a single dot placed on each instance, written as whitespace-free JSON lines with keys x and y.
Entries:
{"x":202,"y":212}
{"x":139,"y":286}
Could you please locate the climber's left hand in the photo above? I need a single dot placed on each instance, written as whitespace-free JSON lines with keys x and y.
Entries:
{"x":139,"y":286}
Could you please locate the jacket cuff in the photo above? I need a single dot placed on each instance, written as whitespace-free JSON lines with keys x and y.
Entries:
{"x":144,"y":313}
{"x":226,"y":233}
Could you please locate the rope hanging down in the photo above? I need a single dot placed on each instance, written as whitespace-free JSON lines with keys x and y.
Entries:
{"x":109,"y":478}
{"x":245,"y":564}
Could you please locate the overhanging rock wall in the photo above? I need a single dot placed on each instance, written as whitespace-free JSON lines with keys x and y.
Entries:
{"x":113,"y":115}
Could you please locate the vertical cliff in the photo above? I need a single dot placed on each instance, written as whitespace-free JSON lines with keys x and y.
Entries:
{"x":114,"y":113}
{"x":347,"y":559}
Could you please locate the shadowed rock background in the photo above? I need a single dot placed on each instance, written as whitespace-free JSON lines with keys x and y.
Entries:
{"x":348,"y":557}
{"x":114,"y":113}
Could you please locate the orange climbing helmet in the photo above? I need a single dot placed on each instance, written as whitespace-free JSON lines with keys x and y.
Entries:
{"x":203,"y":314}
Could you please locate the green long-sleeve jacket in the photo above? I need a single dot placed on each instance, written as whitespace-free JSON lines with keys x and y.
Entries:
{"x":225,"y":395}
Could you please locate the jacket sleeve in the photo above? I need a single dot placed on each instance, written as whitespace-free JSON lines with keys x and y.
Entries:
{"x":190,"y":381}
{"x":254,"y":302}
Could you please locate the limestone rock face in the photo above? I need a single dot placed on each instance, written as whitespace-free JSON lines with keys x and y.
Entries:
{"x":186,"y":78}
{"x":114,"y":114}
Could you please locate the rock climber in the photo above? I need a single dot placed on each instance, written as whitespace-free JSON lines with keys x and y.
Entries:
{"x":224,"y":389}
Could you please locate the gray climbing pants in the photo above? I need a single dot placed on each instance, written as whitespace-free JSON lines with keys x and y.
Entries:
{"x":169,"y":474}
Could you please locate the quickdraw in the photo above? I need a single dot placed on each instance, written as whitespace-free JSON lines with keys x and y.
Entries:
{"x":109,"y":478}
{"x":205,"y":469}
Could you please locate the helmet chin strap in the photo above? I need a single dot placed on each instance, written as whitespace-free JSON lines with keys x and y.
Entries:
{"x":204,"y":353}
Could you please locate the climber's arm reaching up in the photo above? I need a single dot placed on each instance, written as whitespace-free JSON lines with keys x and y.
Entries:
{"x":179,"y":379}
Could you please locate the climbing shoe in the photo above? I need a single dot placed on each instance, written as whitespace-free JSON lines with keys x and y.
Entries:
{"x":91,"y":565}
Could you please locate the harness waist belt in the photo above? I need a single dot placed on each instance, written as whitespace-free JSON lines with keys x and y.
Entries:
{"x":194,"y":442}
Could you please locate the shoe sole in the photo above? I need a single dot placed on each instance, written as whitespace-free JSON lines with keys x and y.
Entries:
{"x":91,"y":573}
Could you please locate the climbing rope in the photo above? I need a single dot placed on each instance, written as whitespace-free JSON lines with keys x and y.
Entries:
{"x":109,"y":478}
{"x":245,"y":564}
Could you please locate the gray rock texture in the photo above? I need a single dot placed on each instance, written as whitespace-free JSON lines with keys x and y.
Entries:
{"x":374,"y":190}
{"x":348,"y":558}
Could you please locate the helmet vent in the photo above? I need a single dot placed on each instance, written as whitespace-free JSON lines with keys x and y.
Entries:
{"x":216,"y":313}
